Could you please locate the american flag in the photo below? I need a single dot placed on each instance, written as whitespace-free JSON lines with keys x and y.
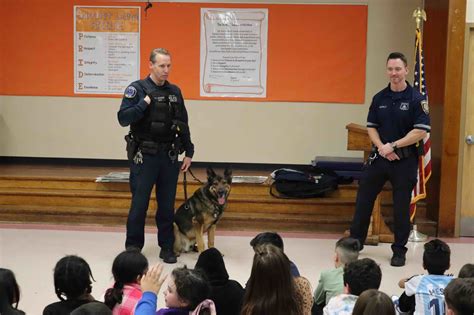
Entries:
{"x":424,"y":161}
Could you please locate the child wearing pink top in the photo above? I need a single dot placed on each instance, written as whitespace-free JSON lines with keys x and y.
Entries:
{"x":127,"y":269}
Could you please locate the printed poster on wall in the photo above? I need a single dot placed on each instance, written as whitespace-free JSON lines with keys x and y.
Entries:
{"x":106,"y":49}
{"x":233,"y":52}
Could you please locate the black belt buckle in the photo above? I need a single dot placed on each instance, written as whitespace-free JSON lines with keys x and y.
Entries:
{"x":404,"y":152}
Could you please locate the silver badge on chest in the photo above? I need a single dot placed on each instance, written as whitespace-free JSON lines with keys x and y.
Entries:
{"x":404,"y":106}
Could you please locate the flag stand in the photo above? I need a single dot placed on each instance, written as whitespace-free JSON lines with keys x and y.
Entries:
{"x":416,"y":236}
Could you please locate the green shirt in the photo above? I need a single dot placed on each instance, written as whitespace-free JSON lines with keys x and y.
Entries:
{"x":330,"y":284}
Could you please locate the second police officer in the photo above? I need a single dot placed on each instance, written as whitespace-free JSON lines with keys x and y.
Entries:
{"x":398,"y":118}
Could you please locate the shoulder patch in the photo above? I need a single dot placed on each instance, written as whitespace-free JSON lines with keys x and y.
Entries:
{"x":130,"y":92}
{"x":425,"y":107}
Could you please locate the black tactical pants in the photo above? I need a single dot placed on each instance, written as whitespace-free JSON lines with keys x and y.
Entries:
{"x":402,"y":174}
{"x":160,"y":171}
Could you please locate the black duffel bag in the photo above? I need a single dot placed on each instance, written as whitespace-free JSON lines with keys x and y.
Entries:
{"x":295,"y":184}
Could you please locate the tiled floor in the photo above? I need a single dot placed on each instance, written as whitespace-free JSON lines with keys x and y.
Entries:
{"x":31,"y":251}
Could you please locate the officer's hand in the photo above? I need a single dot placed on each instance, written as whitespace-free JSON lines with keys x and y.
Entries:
{"x":153,"y":279}
{"x":147,"y":99}
{"x":186,"y":164}
{"x":386,"y":149}
{"x":392,"y":156}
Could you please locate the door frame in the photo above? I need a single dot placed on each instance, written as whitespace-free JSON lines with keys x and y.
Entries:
{"x":468,"y":57}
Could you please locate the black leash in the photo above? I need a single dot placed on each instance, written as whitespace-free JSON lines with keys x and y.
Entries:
{"x":185,"y":186}
{"x":195,"y":178}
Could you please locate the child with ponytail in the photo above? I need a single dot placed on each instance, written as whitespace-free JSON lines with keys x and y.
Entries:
{"x":127,"y":269}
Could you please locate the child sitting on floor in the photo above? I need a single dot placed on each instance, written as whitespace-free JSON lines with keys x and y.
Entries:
{"x":424,"y":293}
{"x":128,"y":268}
{"x":359,"y":275}
{"x":9,"y":293}
{"x":331,"y":282}
{"x":187,"y":290}
{"x":72,"y":284}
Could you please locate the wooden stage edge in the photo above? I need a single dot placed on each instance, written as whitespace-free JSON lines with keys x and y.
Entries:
{"x":62,"y":193}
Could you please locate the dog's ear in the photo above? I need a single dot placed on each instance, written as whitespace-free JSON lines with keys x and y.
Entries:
{"x":228,"y":175}
{"x":210,"y":174}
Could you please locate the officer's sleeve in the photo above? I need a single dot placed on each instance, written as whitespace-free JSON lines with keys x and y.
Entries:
{"x":133,"y":106}
{"x":372,"y":120}
{"x":421,"y":115}
{"x":186,"y":138}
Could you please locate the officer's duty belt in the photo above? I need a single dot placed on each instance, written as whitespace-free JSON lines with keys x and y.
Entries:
{"x":405,"y":152}
{"x":152,"y":147}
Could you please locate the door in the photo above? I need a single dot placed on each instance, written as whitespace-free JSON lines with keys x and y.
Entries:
{"x":467,"y":174}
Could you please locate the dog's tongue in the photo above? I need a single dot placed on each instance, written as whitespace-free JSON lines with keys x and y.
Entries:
{"x":221,"y":200}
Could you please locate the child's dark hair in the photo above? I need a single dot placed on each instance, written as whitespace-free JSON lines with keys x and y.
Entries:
{"x":348,"y":249}
{"x":361,"y":275}
{"x":267,"y":238}
{"x":9,"y":292}
{"x":436,"y":258}
{"x":458,"y":296}
{"x":373,"y":302}
{"x":191,"y":286}
{"x":467,"y":271}
{"x":126,"y":268}
{"x":271,"y":288}
{"x":72,"y":277}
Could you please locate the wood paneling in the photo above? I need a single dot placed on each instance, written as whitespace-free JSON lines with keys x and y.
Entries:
{"x":434,"y":42}
{"x":451,"y":117}
{"x":74,"y":197}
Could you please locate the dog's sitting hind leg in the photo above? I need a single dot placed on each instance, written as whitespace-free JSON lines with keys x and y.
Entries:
{"x":177,"y":246}
{"x":199,"y":230}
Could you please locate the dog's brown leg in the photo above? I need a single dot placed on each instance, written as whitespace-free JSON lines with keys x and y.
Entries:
{"x":177,"y":240}
{"x":210,"y":236}
{"x":199,"y":230}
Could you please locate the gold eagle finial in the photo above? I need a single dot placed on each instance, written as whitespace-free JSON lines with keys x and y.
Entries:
{"x":418,"y":15}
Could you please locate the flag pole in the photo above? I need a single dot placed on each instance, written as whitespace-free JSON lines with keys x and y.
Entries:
{"x":415,"y":236}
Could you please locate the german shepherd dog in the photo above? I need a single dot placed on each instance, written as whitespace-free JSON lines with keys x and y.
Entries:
{"x":201,"y":213}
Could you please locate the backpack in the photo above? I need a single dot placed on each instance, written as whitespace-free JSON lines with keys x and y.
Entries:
{"x":294,"y":184}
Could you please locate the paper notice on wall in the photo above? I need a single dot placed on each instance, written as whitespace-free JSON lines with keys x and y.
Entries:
{"x":106,"y":49}
{"x":233,"y":52}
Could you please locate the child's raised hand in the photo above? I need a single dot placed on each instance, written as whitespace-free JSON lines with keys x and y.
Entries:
{"x":153,"y":279}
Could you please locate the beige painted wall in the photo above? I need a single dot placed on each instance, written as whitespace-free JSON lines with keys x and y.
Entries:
{"x":245,"y":132}
{"x":470,"y":11}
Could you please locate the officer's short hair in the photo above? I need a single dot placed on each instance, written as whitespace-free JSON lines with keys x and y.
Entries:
{"x":156,"y":51}
{"x":398,"y":55}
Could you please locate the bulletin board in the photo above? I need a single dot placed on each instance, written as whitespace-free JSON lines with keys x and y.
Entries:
{"x":316,"y":52}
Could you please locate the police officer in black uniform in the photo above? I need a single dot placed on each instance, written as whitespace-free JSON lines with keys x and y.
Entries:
{"x":398,"y":118}
{"x":159,"y":132}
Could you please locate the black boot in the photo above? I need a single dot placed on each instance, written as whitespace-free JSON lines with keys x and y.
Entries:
{"x":168,"y":256}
